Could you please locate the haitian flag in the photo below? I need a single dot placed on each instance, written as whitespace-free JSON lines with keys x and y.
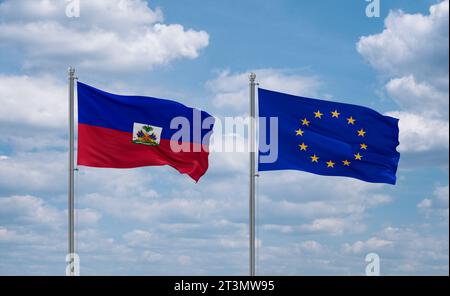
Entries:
{"x":329,"y":138}
{"x":117,"y":131}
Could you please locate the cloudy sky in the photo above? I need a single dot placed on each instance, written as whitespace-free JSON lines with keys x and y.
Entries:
{"x":154,"y":221}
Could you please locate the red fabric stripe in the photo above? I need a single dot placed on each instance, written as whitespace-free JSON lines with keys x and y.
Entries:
{"x":109,"y":148}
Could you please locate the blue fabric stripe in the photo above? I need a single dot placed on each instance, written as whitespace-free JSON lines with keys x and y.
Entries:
{"x":99,"y":108}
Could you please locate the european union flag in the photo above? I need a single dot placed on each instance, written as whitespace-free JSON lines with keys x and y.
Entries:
{"x":329,"y":138}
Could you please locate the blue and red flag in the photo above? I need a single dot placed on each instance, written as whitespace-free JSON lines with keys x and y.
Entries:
{"x":329,"y":138}
{"x":117,"y":131}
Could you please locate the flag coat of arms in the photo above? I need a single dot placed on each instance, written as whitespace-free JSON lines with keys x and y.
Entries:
{"x":117,"y":131}
{"x":330,"y":138}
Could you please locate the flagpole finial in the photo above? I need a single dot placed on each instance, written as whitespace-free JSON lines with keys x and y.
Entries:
{"x":71,"y":71}
{"x":252,"y":77}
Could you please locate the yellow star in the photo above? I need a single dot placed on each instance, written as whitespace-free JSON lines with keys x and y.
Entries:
{"x":361,"y":133}
{"x":303,"y":146}
{"x":364,"y":146}
{"x":299,"y":132}
{"x":351,"y":120}
{"x":305,"y":122}
{"x":314,"y":158}
{"x":318,"y":114}
{"x":358,"y":156}
{"x":346,"y":163}
{"x":330,"y":164}
{"x":335,"y":114}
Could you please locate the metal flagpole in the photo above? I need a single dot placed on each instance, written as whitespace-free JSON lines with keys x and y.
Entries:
{"x":252,"y":137}
{"x":71,"y":198}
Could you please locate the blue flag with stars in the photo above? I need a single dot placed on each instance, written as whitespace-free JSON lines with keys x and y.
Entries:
{"x":328,"y":138}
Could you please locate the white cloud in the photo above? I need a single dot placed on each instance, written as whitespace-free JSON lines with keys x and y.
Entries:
{"x":420,"y":97}
{"x":11,"y":236}
{"x":420,"y":132}
{"x":35,"y":212}
{"x":233,"y":243}
{"x":30,"y":210}
{"x":33,"y":118}
{"x":128,"y":12}
{"x":114,"y":35}
{"x":92,"y":242}
{"x":410,"y":43}
{"x":377,"y":200}
{"x":316,"y":205}
{"x":404,"y":250}
{"x":34,"y":172}
{"x":231,"y":89}
{"x":87,"y":216}
{"x":412,"y":52}
{"x":441,"y":196}
{"x":425,"y":204}
{"x":138,"y":237}
{"x":371,"y":245}
{"x":330,"y":209}
{"x":419,"y":251}
{"x":34,"y":101}
{"x":312,"y":246}
{"x":285,"y":229}
{"x":151,"y":256}
{"x":184,"y":209}
{"x":319,"y":196}
{"x":333,"y":226}
{"x":437,"y":205}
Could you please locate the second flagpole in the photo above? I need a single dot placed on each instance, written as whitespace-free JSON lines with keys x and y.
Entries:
{"x":252,"y":78}
{"x":71,"y":191}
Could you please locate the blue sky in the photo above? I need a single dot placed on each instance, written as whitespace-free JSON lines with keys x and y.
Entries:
{"x":153,"y":221}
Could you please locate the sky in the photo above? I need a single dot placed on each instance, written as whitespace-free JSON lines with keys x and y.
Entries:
{"x":154,"y":221}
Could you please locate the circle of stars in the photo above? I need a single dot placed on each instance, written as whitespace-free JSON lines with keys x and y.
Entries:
{"x":361,"y":133}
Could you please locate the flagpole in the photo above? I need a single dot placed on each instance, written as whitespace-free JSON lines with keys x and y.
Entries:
{"x":71,"y":199}
{"x":252,"y":78}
